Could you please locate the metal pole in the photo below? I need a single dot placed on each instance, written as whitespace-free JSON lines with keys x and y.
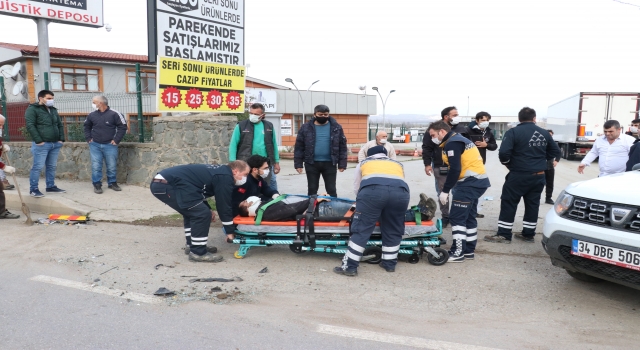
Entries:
{"x":3,"y":102}
{"x":301,"y":99}
{"x":43,"y":50}
{"x":139,"y":98}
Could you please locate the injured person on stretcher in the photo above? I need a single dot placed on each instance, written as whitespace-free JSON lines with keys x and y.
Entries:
{"x":288,"y":208}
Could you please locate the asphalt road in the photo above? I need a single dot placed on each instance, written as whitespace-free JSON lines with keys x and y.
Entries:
{"x":510,"y":297}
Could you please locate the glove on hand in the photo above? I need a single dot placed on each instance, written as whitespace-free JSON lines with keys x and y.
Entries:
{"x":9,"y":169}
{"x":444,"y":197}
{"x":6,"y":148}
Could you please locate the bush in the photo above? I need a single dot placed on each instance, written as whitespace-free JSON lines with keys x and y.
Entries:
{"x":25,"y":133}
{"x":75,"y":132}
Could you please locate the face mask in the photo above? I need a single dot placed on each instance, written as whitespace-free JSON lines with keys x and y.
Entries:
{"x":455,"y":120}
{"x":1,"y":134}
{"x":383,"y":141}
{"x":435,"y":140}
{"x":265,"y":174}
{"x":484,"y":125}
{"x":322,"y":120}
{"x":634,"y":129}
{"x":241,"y":181}
{"x":94,"y":106}
{"x":48,"y":103}
{"x":254,"y":118}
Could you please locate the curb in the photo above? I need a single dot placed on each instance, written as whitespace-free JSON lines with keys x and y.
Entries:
{"x":45,"y":205}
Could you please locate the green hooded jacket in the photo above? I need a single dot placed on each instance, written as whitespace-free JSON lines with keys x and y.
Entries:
{"x":44,"y":125}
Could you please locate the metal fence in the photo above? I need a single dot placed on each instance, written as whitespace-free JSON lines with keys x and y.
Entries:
{"x":74,"y":107}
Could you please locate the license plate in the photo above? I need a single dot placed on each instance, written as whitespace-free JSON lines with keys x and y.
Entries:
{"x":609,"y":255}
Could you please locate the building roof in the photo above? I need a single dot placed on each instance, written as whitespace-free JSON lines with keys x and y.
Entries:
{"x":28,"y":50}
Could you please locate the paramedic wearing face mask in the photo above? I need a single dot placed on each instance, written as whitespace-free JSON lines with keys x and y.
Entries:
{"x":432,"y":157}
{"x":45,"y":128}
{"x":381,"y":140}
{"x":256,"y":184}
{"x":185,"y":189}
{"x":469,"y":178}
{"x":256,"y":136}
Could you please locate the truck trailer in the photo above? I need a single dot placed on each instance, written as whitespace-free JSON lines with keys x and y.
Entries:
{"x":577,"y":121}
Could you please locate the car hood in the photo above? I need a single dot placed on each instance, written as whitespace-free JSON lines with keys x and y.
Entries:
{"x":617,"y":188}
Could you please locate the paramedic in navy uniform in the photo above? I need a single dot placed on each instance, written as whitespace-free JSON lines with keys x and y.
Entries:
{"x":525,"y":151}
{"x":383,"y":196}
{"x":185,"y":188}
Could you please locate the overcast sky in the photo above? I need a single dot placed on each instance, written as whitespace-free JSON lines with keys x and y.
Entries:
{"x":502,"y":54}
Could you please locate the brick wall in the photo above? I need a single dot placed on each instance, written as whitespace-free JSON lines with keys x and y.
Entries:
{"x":354,"y":126}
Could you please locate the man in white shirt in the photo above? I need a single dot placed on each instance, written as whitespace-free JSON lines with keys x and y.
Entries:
{"x":381,"y":140}
{"x":612,"y":148}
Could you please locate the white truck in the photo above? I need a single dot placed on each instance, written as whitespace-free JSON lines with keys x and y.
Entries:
{"x":577,"y":121}
{"x":593,"y":230}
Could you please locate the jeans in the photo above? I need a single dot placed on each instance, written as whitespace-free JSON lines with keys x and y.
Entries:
{"x":335,"y":208}
{"x":329,"y":173}
{"x":273,"y":182}
{"x":44,"y":156}
{"x":109,"y":153}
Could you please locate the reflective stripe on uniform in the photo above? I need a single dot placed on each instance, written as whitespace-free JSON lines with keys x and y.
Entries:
{"x":459,"y":228}
{"x":227,"y":223}
{"x":389,"y":256}
{"x":352,"y":256}
{"x":391,"y":249}
{"x":356,"y":247}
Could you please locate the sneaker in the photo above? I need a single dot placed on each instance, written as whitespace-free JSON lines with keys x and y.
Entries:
{"x":340,"y":271}
{"x":549,"y":201}
{"x":496,"y":239}
{"x":479,"y":216}
{"x":187,"y":249}
{"x":469,"y":256}
{"x":455,"y":258}
{"x":114,"y":186}
{"x":445,"y":222}
{"x":8,"y":215}
{"x":388,"y":269}
{"x":97,"y":188}
{"x":55,"y":189}
{"x":7,"y":185}
{"x":525,"y":238}
{"x":36,"y":193}
{"x":208,"y":257}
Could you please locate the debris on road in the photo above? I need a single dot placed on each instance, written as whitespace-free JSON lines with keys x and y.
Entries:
{"x":169,"y":267}
{"x":216,"y":279}
{"x":109,"y":270}
{"x":164,"y":292}
{"x":265,"y":270}
{"x":222,"y":296}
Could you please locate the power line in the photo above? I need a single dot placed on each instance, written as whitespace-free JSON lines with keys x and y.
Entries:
{"x":626,"y":3}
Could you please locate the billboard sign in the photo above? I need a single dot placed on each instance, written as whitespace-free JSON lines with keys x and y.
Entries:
{"x":268,"y":98}
{"x":78,"y":12}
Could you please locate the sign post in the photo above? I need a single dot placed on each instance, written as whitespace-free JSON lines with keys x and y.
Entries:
{"x":200,"y":55}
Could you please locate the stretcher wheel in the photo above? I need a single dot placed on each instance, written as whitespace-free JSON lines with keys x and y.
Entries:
{"x":376,"y":252}
{"x":413,"y":259}
{"x":444,"y":256}
{"x":237,"y":255}
{"x":296,"y":249}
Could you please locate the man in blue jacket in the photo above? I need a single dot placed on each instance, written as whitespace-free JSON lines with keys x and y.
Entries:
{"x":103,"y":130}
{"x":321,"y":146}
{"x":185,"y":189}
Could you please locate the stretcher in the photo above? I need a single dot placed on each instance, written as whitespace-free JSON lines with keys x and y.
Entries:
{"x":310,"y":233}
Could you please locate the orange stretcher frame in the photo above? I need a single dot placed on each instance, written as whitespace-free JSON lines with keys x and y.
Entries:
{"x":248,"y":220}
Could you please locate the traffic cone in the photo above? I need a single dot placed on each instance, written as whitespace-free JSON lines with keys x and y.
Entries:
{"x":415,"y":152}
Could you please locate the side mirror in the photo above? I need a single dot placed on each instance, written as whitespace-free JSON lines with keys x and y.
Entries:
{"x":636,"y":167}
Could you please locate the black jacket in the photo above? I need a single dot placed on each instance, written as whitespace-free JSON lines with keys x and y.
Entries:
{"x":194,"y":183}
{"x":104,"y":127}
{"x":432,"y":153}
{"x":475,"y":134}
{"x":306,"y":143}
{"x":253,"y":187}
{"x":634,"y":155}
{"x":527,"y":148}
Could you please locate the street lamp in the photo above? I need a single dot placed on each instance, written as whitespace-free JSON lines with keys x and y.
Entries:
{"x":384,"y":103}
{"x":289,"y":80}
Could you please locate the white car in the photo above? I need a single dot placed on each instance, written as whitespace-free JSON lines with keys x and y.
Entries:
{"x":593,"y":231}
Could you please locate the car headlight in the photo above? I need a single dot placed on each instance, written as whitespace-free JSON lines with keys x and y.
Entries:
{"x":563,"y":203}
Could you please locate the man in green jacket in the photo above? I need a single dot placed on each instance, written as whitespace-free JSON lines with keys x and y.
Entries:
{"x":256,"y":136}
{"x":46,"y":130}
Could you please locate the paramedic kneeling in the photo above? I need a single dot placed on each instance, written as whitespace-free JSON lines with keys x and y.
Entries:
{"x":185,"y":189}
{"x":383,"y":197}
